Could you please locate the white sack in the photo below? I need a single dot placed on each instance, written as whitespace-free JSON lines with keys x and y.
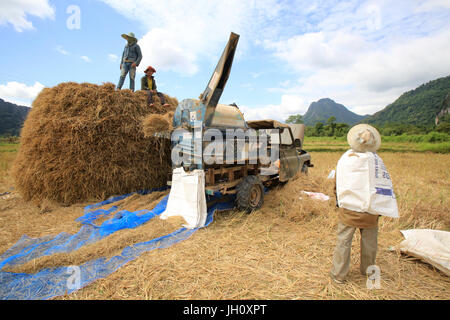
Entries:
{"x":432,"y":246}
{"x":187,"y":198}
{"x":364,"y":185}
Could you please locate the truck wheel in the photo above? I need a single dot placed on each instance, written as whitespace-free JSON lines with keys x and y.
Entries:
{"x":250,"y":194}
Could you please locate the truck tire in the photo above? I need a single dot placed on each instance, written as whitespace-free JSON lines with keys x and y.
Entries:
{"x":250,"y":194}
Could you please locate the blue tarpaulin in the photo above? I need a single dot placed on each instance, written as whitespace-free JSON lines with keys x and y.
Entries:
{"x":49,"y":283}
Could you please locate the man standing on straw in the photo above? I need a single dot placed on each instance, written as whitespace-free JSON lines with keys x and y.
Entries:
{"x":363,"y":192}
{"x":131,"y":57}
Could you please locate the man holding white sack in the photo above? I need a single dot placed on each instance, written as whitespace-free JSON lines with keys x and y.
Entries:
{"x":363,"y":193}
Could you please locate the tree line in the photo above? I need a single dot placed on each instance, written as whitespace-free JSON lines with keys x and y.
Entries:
{"x":333,"y":129}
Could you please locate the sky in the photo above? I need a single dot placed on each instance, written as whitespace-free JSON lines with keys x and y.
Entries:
{"x":362,"y":54}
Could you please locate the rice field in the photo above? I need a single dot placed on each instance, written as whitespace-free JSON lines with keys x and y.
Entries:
{"x":282,"y":251}
{"x":8,"y":152}
{"x":417,"y":144}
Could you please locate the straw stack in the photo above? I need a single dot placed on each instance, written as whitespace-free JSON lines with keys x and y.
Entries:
{"x":85,"y":141}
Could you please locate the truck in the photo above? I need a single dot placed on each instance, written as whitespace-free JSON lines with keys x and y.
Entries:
{"x":238,"y":157}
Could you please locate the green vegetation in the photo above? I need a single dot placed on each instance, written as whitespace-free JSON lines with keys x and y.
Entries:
{"x":329,"y":129}
{"x":12,"y":117}
{"x":432,"y":142}
{"x":396,"y":137}
{"x":417,"y":107}
{"x":295,"y":119}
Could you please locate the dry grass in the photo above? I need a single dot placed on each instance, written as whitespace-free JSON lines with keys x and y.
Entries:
{"x":157,"y":123}
{"x":282,"y":251}
{"x":8,"y":153}
{"x":111,"y":245}
{"x":85,"y":141}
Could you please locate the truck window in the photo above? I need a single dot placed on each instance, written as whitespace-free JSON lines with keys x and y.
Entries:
{"x":286,"y":138}
{"x":272,"y":135}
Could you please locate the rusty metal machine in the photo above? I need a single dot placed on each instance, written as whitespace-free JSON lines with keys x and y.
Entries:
{"x":198,"y":123}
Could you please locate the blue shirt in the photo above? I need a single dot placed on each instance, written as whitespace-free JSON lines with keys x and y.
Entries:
{"x":132,"y":53}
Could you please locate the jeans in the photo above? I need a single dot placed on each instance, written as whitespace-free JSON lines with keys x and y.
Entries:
{"x":126,"y":67}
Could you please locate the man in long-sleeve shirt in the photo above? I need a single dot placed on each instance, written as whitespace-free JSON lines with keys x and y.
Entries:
{"x":131,"y":58}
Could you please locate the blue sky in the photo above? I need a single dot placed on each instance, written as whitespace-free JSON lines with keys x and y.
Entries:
{"x":362,"y":54}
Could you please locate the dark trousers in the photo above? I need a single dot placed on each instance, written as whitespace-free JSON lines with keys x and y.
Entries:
{"x":160,"y":95}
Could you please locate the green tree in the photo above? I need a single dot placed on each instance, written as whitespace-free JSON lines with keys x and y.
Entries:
{"x":341,"y":129}
{"x":331,"y":126}
{"x":319,"y":129}
{"x":295,"y":119}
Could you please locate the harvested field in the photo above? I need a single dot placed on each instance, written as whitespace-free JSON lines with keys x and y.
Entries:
{"x":282,"y":251}
{"x":86,"y":142}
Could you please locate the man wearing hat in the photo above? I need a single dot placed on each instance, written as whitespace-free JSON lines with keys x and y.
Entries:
{"x":131,"y":57}
{"x":148,"y":83}
{"x":361,"y":202}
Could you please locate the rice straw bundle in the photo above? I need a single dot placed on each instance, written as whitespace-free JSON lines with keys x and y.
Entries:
{"x":85,"y":141}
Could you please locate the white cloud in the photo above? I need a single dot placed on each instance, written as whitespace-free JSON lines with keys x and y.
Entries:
{"x":248,"y":86}
{"x":431,"y":5}
{"x":61,"y":50}
{"x":290,"y":104}
{"x":16,"y":12}
{"x":366,"y":66}
{"x":362,"y":54}
{"x":112,"y":57}
{"x":182,"y":33}
{"x":163,"y":51}
{"x":364,"y":78}
{"x":255,"y":75}
{"x":318,"y":50}
{"x":20,"y":93}
{"x":85,"y":58}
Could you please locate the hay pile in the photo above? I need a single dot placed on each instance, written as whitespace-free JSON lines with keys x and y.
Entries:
{"x":154,"y":123}
{"x":85,"y":141}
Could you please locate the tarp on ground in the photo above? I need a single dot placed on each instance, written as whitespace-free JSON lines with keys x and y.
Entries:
{"x":49,"y":283}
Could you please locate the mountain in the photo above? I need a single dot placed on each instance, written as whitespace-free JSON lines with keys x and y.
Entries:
{"x":418,"y":107}
{"x":323,"y":109}
{"x":12,"y":117}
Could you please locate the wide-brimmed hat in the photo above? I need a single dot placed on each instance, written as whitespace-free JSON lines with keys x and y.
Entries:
{"x":363,"y":138}
{"x":149,"y":68}
{"x":129,"y":35}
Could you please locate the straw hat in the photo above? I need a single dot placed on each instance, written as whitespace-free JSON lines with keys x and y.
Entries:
{"x":364,"y":137}
{"x":128,"y":36}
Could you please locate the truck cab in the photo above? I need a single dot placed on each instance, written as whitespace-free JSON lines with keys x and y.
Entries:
{"x":289,"y":138}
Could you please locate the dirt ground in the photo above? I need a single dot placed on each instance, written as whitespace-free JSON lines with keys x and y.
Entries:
{"x":282,"y":251}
